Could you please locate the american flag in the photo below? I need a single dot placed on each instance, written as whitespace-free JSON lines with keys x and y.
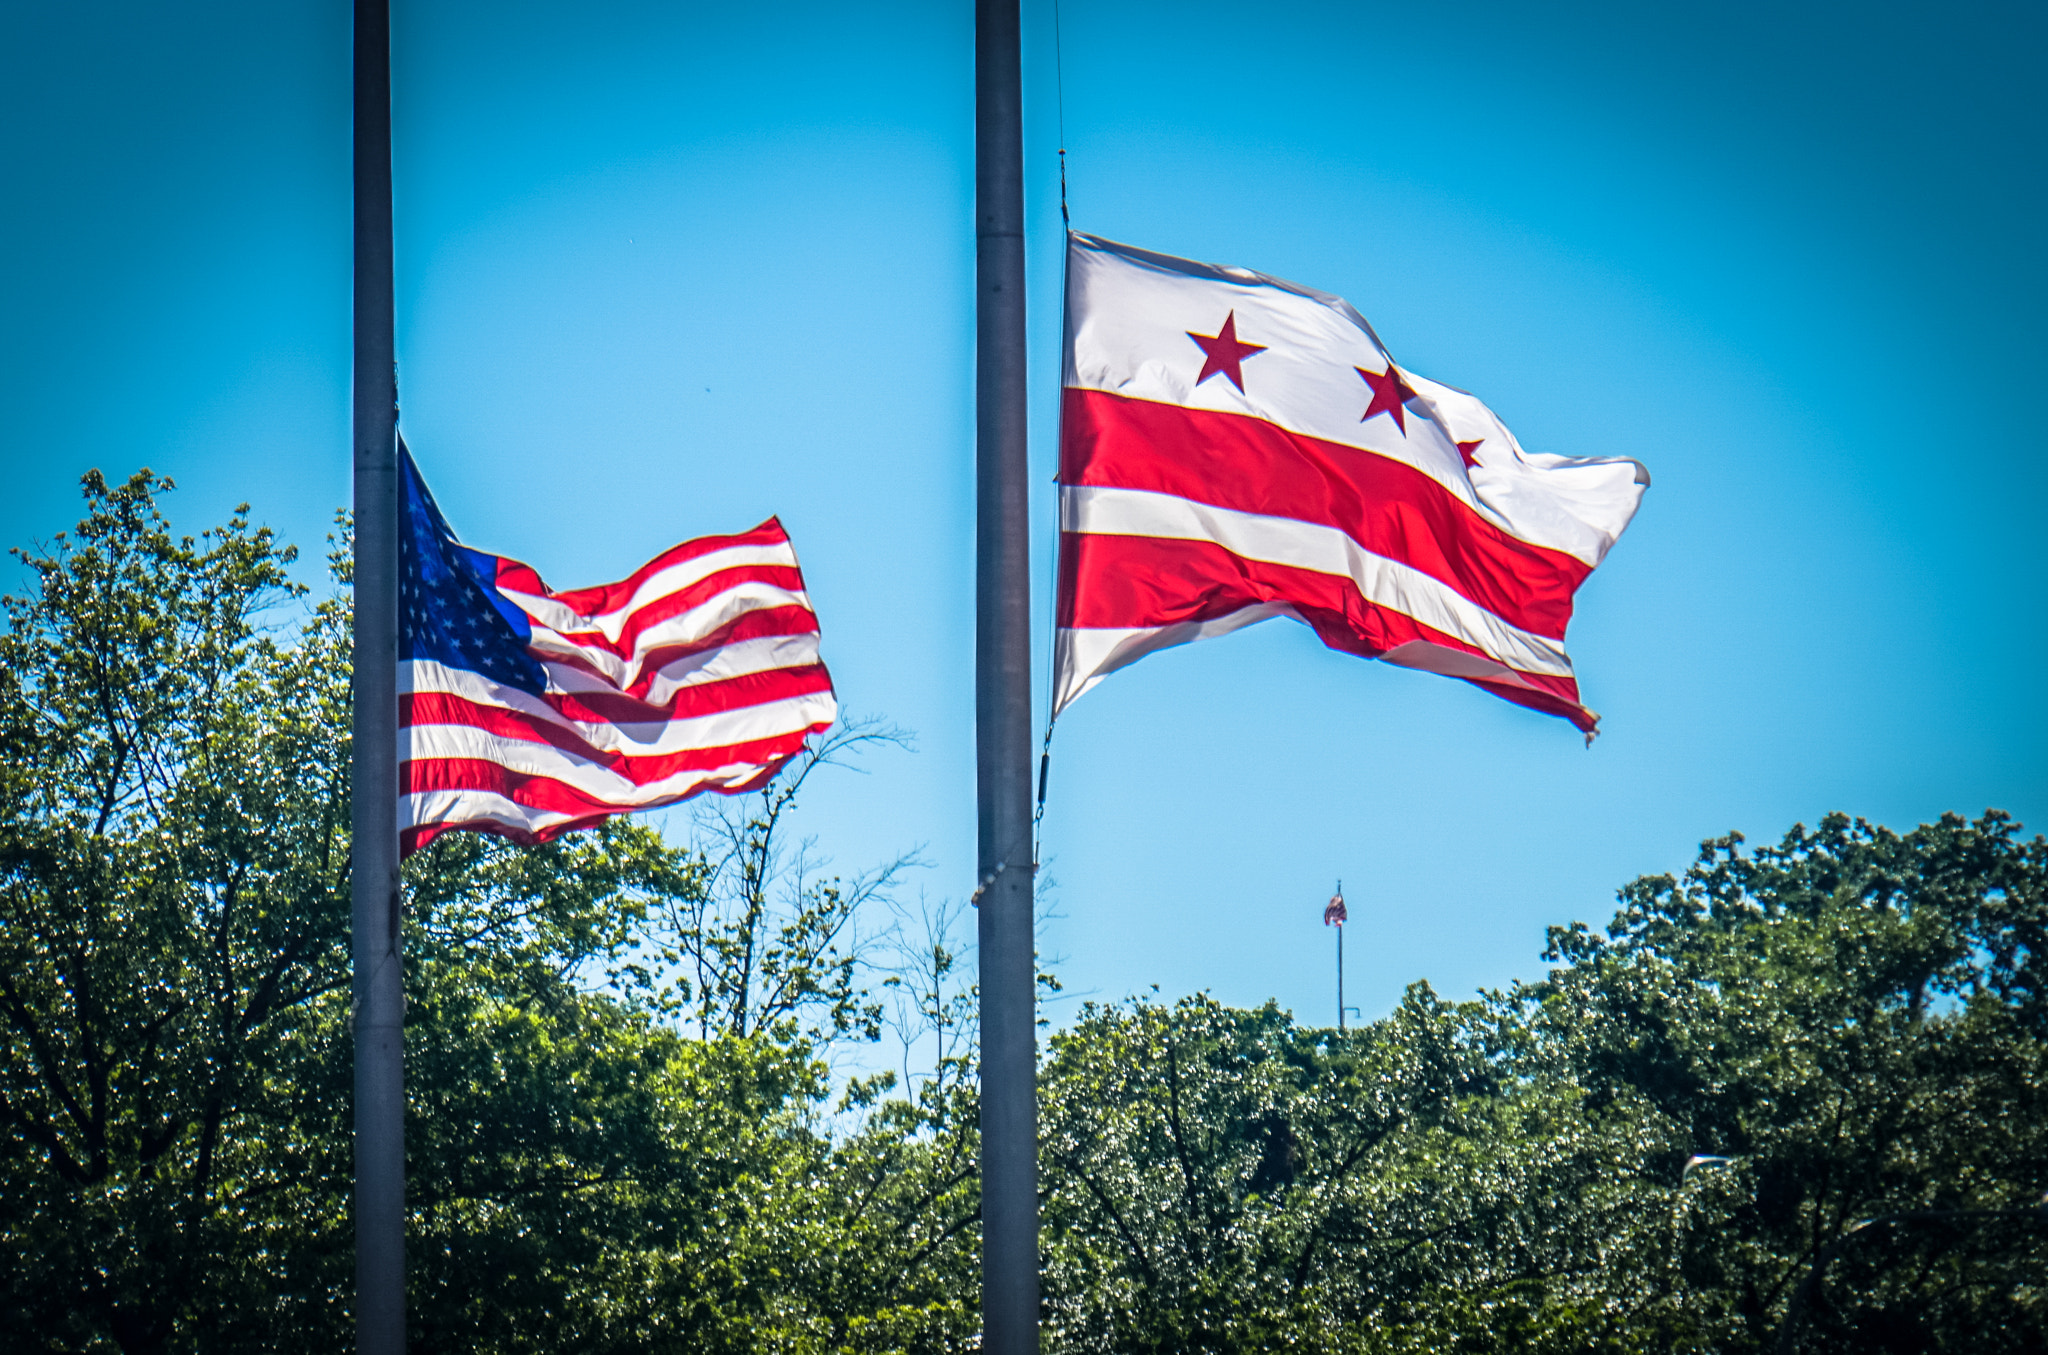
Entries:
{"x":1234,"y":448}
{"x":529,"y":713}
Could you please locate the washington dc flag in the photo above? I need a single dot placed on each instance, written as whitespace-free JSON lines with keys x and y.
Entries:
{"x":1234,"y":447}
{"x":528,"y":713}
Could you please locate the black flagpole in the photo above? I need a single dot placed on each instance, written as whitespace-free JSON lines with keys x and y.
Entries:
{"x":1002,"y":700}
{"x":377,"y":1001}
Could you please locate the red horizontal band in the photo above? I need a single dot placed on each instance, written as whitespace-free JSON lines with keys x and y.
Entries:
{"x":1546,"y":702}
{"x":655,"y":611}
{"x":1392,"y":510}
{"x":1133,"y":582}
{"x":556,"y":796}
{"x":759,"y":623}
{"x":699,"y":698}
{"x":443,"y":708}
{"x":607,"y":597}
{"x":540,"y":793}
{"x":628,"y":706}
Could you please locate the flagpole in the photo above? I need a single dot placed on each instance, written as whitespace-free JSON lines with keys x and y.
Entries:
{"x":1002,"y":702}
{"x":377,"y":1000}
{"x":1340,"y":976}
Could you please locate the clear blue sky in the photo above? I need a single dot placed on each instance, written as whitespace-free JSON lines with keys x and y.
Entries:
{"x":667,"y":269}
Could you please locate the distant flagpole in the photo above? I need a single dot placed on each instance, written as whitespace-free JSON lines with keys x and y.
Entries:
{"x":377,"y":1000}
{"x":1336,"y":915}
{"x":1002,"y":703}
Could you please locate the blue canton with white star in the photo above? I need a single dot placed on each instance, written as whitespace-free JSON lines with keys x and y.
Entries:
{"x":448,"y":610}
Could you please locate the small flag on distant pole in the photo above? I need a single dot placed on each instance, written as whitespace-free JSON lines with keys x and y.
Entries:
{"x":1234,"y":448}
{"x":528,"y":713}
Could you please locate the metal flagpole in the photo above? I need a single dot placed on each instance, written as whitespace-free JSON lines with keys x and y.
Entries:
{"x":377,"y":1001}
{"x":1334,"y":915}
{"x":1002,"y":700}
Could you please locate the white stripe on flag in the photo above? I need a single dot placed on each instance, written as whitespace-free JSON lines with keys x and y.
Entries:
{"x":429,"y":743}
{"x":1312,"y":546}
{"x":742,"y":724}
{"x":684,"y":628}
{"x":1085,"y":655}
{"x":611,"y":623}
{"x":741,"y":658}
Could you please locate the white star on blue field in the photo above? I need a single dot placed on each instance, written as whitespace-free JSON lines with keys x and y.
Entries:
{"x":666,"y":270}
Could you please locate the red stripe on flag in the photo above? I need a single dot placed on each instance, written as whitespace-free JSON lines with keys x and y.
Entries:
{"x":539,"y":793}
{"x":1391,"y":509}
{"x":1543,"y":701}
{"x":555,"y":796}
{"x":697,"y":699}
{"x":1131,"y":582}
{"x":657,"y":610}
{"x":762,"y":623}
{"x":443,"y":708}
{"x":609,"y":597}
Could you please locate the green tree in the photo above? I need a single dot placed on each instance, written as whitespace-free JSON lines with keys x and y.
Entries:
{"x":174,"y":1082}
{"x":1855,"y":1018}
{"x":1217,"y":1179}
{"x":1650,"y":1150}
{"x":621,"y":1133}
{"x":761,"y":939}
{"x":172,"y":903}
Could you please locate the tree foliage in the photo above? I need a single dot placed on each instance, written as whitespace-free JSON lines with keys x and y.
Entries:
{"x":172,"y":883}
{"x":1654,"y":1148}
{"x":762,"y":940}
{"x":1855,"y":1019}
{"x":1794,"y":1098}
{"x":175,"y":1083}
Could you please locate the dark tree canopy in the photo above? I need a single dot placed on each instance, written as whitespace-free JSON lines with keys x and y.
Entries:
{"x":175,"y":1075}
{"x":1648,"y":1150}
{"x":1796,"y":1098}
